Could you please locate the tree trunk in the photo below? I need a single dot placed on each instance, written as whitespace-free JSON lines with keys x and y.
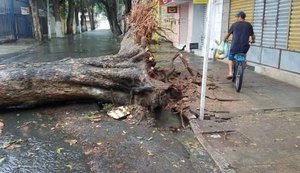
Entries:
{"x":120,"y":79}
{"x":92,"y":20}
{"x":36,"y":21}
{"x":70,"y":18}
{"x":127,"y":6}
{"x":111,"y":10}
{"x":77,"y":19}
{"x":58,"y":26}
{"x":82,"y":17}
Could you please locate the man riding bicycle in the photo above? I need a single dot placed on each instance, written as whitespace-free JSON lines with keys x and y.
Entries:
{"x":241,"y":31}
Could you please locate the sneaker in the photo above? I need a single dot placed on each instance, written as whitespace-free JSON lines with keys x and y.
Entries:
{"x":229,"y":77}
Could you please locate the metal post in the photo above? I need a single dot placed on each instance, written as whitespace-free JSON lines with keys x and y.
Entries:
{"x":205,"y":63}
{"x":48,"y":20}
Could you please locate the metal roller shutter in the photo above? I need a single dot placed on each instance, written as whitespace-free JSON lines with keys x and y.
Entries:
{"x":258,"y":20}
{"x":241,"y":5}
{"x":183,"y":22}
{"x":294,"y":33}
{"x":283,"y":24}
{"x":270,"y":23}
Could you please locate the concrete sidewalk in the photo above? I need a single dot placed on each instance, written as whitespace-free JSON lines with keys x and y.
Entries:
{"x":256,"y":130}
{"x":18,"y":47}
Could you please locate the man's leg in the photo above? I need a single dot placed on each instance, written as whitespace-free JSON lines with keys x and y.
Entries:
{"x":230,"y":66}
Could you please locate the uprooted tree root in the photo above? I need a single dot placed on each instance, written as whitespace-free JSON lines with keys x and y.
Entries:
{"x":184,"y":90}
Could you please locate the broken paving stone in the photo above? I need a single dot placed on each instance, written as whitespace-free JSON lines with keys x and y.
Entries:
{"x":119,"y":112}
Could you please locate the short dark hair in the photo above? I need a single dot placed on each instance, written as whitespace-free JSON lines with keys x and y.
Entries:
{"x":241,"y":14}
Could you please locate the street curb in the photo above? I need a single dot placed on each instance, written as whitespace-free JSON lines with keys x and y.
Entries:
{"x":20,"y":52}
{"x":220,"y":161}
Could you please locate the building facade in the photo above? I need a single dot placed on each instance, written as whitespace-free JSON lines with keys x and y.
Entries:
{"x":15,"y":19}
{"x":276,"y":24}
{"x":186,"y":18}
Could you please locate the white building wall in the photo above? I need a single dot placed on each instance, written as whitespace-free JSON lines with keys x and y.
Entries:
{"x":198,"y":14}
{"x":198,"y":26}
{"x":184,"y":24}
{"x":216,"y":26}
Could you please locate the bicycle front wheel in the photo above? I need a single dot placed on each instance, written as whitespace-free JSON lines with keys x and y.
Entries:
{"x":239,"y":77}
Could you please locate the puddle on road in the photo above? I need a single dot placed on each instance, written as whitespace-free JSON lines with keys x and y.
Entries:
{"x":168,"y":119}
{"x":35,"y":147}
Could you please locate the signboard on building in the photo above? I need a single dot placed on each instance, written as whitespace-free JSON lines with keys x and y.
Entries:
{"x":200,"y":1}
{"x":25,"y":10}
{"x":163,"y":2}
{"x":171,"y":9}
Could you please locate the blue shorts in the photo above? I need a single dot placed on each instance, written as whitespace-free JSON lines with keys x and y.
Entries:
{"x":237,"y":56}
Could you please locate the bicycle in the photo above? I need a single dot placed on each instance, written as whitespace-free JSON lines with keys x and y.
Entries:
{"x":239,"y":65}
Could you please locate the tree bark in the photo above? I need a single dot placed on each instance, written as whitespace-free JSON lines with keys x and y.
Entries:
{"x":120,"y":79}
{"x":36,"y":21}
{"x":70,"y":18}
{"x":127,"y":6}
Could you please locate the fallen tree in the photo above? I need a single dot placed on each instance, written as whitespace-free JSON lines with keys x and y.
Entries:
{"x":121,"y":79}
{"x":129,"y":77}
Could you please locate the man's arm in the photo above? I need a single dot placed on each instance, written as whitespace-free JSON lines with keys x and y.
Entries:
{"x":252,"y":39}
{"x":227,"y":36}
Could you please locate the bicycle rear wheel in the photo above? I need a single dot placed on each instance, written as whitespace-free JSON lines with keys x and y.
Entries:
{"x":239,"y":77}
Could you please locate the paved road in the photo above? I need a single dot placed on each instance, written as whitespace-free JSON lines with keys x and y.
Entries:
{"x":88,"y":44}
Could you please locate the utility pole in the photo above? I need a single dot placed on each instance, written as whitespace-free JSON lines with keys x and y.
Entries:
{"x":205,"y":63}
{"x":48,"y":20}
